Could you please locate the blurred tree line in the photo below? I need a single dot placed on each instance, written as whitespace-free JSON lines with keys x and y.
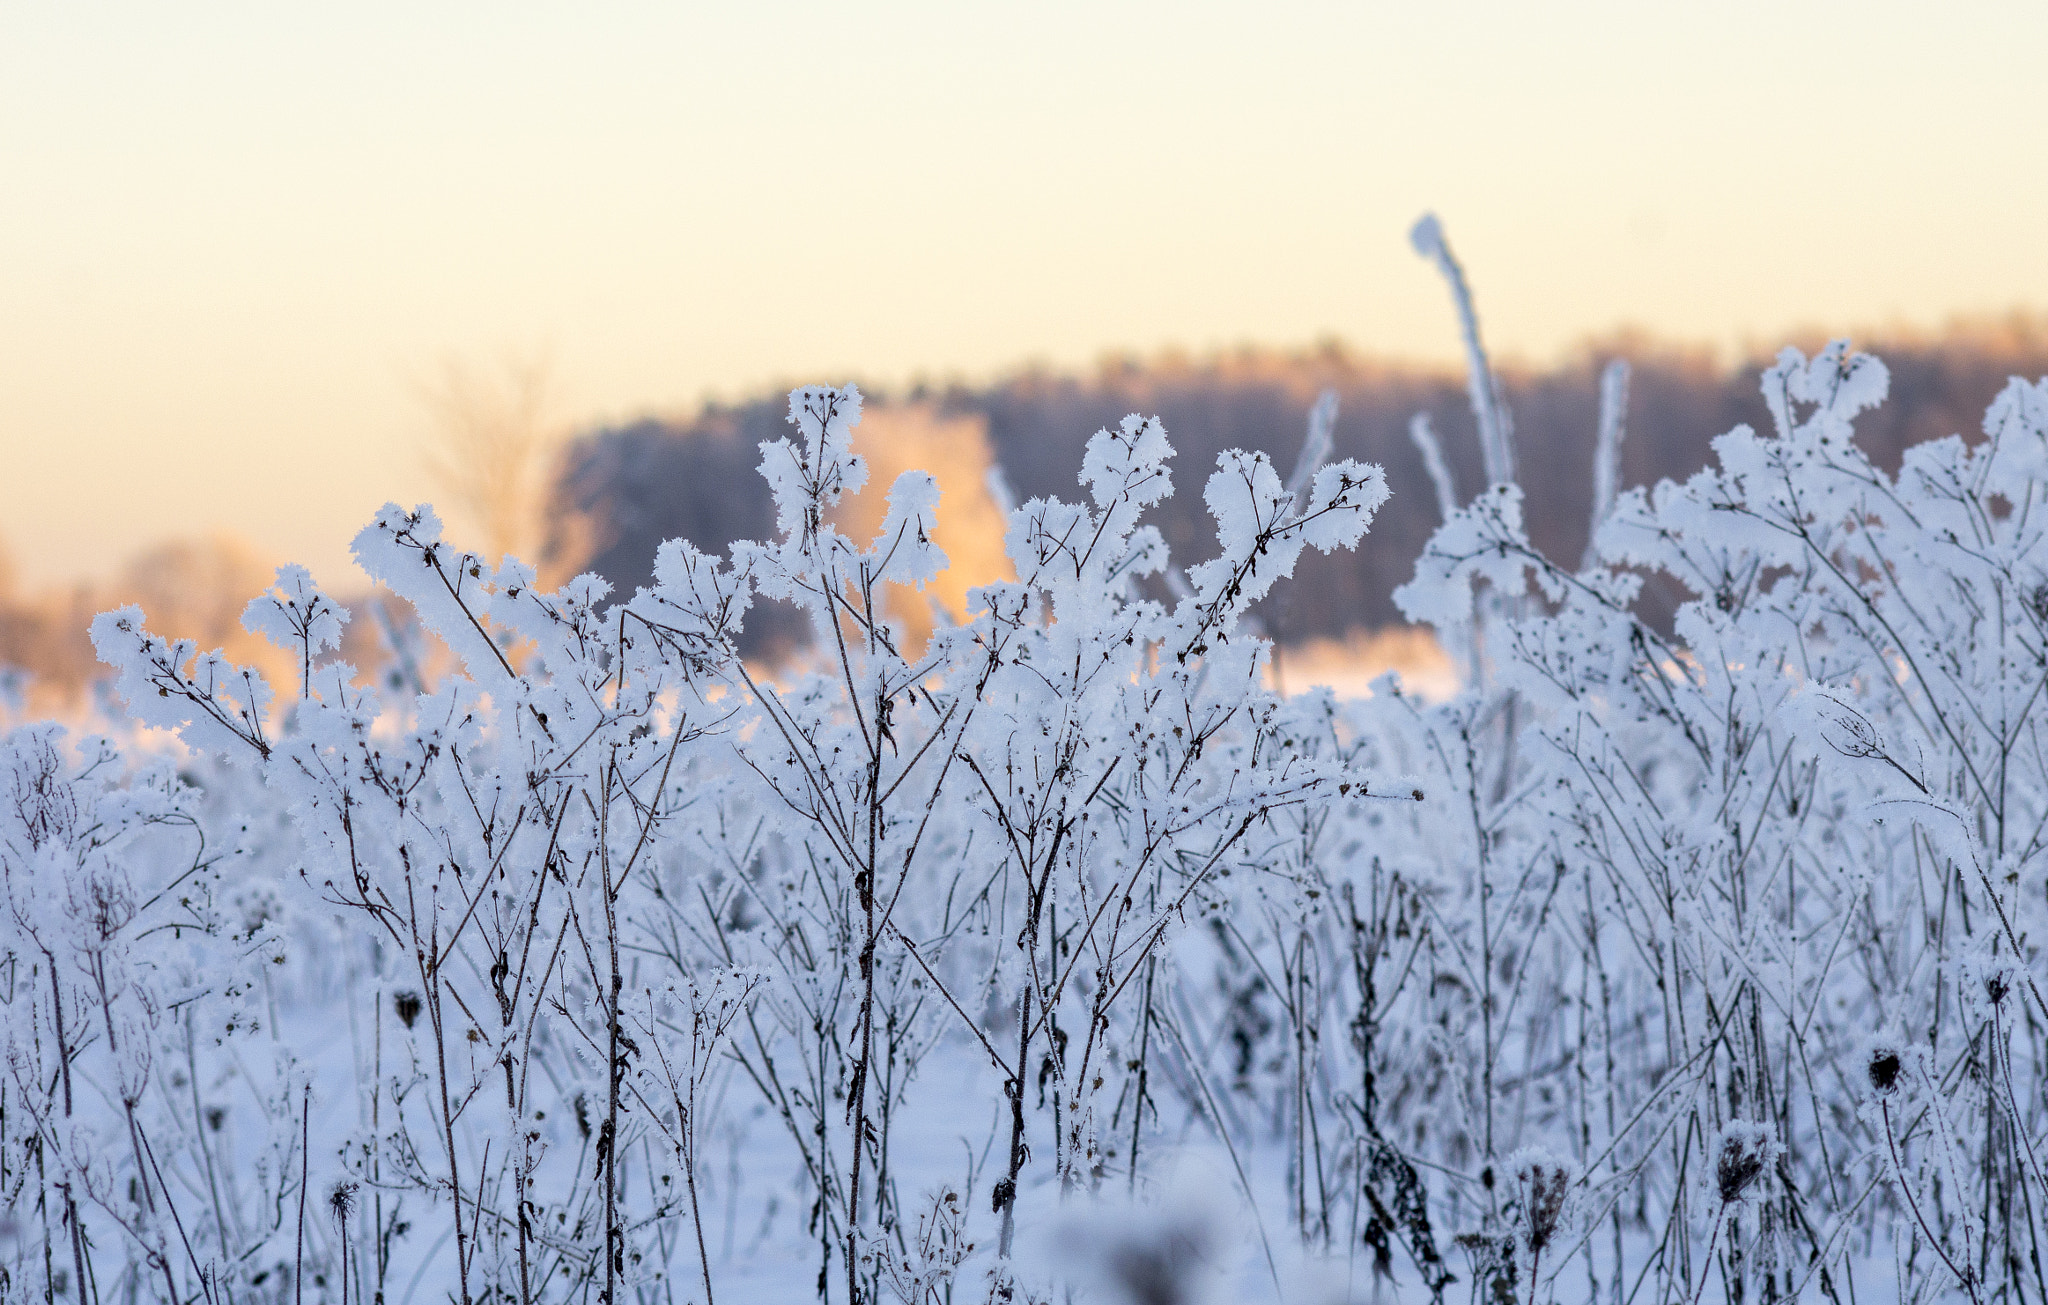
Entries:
{"x":629,"y":487}
{"x":604,"y":500}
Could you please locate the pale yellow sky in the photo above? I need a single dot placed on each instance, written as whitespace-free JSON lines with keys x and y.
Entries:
{"x":232,"y":236}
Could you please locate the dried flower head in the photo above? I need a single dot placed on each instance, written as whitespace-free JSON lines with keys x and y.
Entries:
{"x":1543,"y":1184}
{"x":1746,"y":1151}
{"x":407,"y":1007}
{"x":1884,"y":1070}
{"x":342,"y":1200}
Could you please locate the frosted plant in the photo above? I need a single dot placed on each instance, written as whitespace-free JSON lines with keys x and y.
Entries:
{"x":1681,"y":958}
{"x":482,"y":835}
{"x":295,"y":612}
{"x":128,"y":986}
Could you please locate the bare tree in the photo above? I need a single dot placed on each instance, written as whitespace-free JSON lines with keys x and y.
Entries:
{"x":495,"y":437}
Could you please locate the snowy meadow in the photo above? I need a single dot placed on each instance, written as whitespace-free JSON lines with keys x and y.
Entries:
{"x":1054,"y":956}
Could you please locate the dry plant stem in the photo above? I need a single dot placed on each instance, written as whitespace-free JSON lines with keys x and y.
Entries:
{"x":64,"y":1071}
{"x":1013,"y":1088}
{"x":1706,"y":1262}
{"x":1962,"y":1276}
{"x":608,"y":1144}
{"x":864,"y":888}
{"x":1144,"y":1054}
{"x":299,"y":1254}
{"x":430,"y":977}
{"x":1495,"y":432}
{"x":220,"y":1218}
{"x":690,"y":1178}
{"x":1194,"y":1070}
{"x":199,"y":1274}
{"x":77,"y":1241}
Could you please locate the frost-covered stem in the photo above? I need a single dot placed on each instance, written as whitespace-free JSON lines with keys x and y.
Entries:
{"x":614,"y":1233}
{"x":220,"y":1218}
{"x":1485,"y":945}
{"x":1214,"y":1111}
{"x":380,"y":1252}
{"x":341,"y":1221}
{"x":77,"y":1240}
{"x":1297,"y":992}
{"x":1706,"y":1262}
{"x":1496,"y":435}
{"x":689,"y":1123}
{"x":1607,"y":452}
{"x":57,"y":1012}
{"x":305,"y":1171}
{"x":1945,"y":1135}
{"x":1315,"y":448}
{"x":1607,"y":1051}
{"x":2001,"y":1057}
{"x":2002,"y":1054}
{"x":1006,"y":1191}
{"x":1963,"y":1276}
{"x":43,"y":1212}
{"x":1364,"y":964}
{"x":1316,"y":445}
{"x":522,"y":1184}
{"x":865,"y":888}
{"x":191,"y":1256}
{"x":1144,"y":1065}
{"x":1000,"y":492}
{"x":430,"y":979}
{"x":1423,"y":436}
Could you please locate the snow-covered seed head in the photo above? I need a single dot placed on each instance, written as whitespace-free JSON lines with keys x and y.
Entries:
{"x":1745,"y":1151}
{"x":342,"y":1200}
{"x":1996,"y":987}
{"x":1884,"y":1070}
{"x":1546,"y":1184}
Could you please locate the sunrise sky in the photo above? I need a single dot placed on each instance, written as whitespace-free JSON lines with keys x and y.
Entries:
{"x":234,"y":238}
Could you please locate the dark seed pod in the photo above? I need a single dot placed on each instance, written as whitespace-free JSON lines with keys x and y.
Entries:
{"x":407,"y":1007}
{"x":1548,"y":1185}
{"x":1744,"y":1153}
{"x":1884,"y":1070}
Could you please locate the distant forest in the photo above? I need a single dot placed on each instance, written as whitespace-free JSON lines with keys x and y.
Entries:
{"x":635,"y":485}
{"x":619,"y":491}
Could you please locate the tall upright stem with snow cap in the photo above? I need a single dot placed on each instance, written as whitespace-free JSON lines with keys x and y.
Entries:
{"x":1496,"y":429}
{"x":1423,"y":435}
{"x":1607,"y":453}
